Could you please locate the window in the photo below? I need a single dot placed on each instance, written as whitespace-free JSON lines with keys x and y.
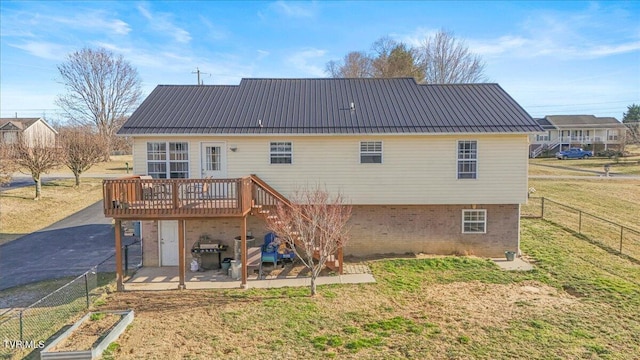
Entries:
{"x":613,"y":135}
{"x":544,"y":137}
{"x":173,"y":164}
{"x":474,"y":221}
{"x":371,"y":152}
{"x":281,"y":152}
{"x":467,"y":159}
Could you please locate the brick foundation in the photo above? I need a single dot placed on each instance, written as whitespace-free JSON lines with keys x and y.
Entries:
{"x":376,"y":229}
{"x":430,"y":229}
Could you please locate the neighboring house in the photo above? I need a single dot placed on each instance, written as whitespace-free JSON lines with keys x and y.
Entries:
{"x":564,"y":131}
{"x":32,"y":129}
{"x":439,"y":169}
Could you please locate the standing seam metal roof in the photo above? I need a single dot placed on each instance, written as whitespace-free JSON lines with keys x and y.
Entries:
{"x":322,"y":106}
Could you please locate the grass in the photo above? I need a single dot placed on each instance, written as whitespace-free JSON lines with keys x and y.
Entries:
{"x":616,"y":200}
{"x":579,"y":302}
{"x":59,"y":199}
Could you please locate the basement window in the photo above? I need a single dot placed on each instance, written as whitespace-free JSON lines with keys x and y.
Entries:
{"x":474,"y":221}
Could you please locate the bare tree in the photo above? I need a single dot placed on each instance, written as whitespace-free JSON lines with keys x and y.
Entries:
{"x":35,"y":158}
{"x":314,"y":225}
{"x":123,"y":144}
{"x":355,"y":64}
{"x":7,"y":163}
{"x":101,"y":88}
{"x":447,"y":60}
{"x":82,"y":148}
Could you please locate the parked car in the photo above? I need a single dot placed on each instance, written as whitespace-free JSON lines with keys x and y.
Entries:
{"x":574,"y":153}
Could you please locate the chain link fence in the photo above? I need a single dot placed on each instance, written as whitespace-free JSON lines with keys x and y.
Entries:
{"x":614,"y":237}
{"x":24,"y":329}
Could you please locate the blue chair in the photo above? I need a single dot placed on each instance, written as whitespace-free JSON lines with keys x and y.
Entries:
{"x":269,"y":252}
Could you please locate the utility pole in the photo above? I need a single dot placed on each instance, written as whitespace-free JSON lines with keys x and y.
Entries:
{"x":198,"y":72}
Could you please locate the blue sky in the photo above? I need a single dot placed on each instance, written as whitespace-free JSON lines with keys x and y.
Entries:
{"x":553,"y":57}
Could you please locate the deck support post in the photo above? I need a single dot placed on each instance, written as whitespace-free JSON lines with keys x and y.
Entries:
{"x":181,"y":254}
{"x":243,"y":251}
{"x":119,"y":275}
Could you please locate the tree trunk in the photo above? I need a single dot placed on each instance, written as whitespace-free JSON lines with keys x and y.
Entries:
{"x":313,"y":285}
{"x":77,"y":175}
{"x":38,"y":188}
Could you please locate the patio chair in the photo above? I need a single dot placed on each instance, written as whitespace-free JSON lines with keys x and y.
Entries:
{"x":268,"y":255}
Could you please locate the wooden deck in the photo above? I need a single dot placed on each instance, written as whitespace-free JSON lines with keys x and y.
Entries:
{"x":144,"y":198}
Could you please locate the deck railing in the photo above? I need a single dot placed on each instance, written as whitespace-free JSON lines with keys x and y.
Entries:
{"x":176,"y":198}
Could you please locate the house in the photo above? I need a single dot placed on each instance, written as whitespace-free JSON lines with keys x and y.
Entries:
{"x":33,"y":129}
{"x":564,"y":131}
{"x":438,"y":169}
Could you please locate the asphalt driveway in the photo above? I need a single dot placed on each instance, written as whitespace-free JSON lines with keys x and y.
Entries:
{"x":69,"y":247}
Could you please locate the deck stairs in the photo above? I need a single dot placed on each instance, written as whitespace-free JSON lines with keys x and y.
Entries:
{"x":265,"y":200}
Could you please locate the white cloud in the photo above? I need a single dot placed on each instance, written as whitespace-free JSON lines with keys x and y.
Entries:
{"x":295,"y":9}
{"x":161,"y":22}
{"x":119,"y":27}
{"x":606,"y":50}
{"x":416,"y":38}
{"x":262,"y":54}
{"x":45,"y":50}
{"x":303,"y":60}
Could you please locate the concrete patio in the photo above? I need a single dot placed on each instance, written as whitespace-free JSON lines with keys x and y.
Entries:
{"x":166,"y":278}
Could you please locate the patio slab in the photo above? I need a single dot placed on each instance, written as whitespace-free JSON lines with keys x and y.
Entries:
{"x":166,"y":278}
{"x":516,"y":265}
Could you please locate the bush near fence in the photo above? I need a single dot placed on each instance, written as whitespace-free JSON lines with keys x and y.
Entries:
{"x":608,"y":234}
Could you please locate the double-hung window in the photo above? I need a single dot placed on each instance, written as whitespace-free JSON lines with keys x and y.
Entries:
{"x":371,"y":152}
{"x":467,"y":159}
{"x":168,"y":160}
{"x":474,"y":221}
{"x":281,"y":152}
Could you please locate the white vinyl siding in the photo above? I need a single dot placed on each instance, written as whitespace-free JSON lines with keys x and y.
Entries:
{"x":474,"y":221}
{"x":467,"y":159}
{"x":281,"y":152}
{"x":418,"y":169}
{"x":371,"y":152}
{"x":173,"y":164}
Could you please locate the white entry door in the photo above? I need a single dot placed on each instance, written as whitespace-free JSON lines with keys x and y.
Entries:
{"x":214,"y":160}
{"x":214,"y":165}
{"x":168,"y":242}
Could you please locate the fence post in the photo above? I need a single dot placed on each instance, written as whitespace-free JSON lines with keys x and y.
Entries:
{"x":621,"y":232}
{"x":580,"y":222}
{"x":542,"y":213}
{"x":86,"y":289}
{"x":126,"y":259}
{"x":21,"y":325}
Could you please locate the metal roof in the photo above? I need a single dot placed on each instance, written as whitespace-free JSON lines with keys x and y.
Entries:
{"x":324,"y":106}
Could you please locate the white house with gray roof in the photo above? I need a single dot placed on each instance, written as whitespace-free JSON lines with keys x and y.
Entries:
{"x":439,"y":169}
{"x":564,"y":131}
